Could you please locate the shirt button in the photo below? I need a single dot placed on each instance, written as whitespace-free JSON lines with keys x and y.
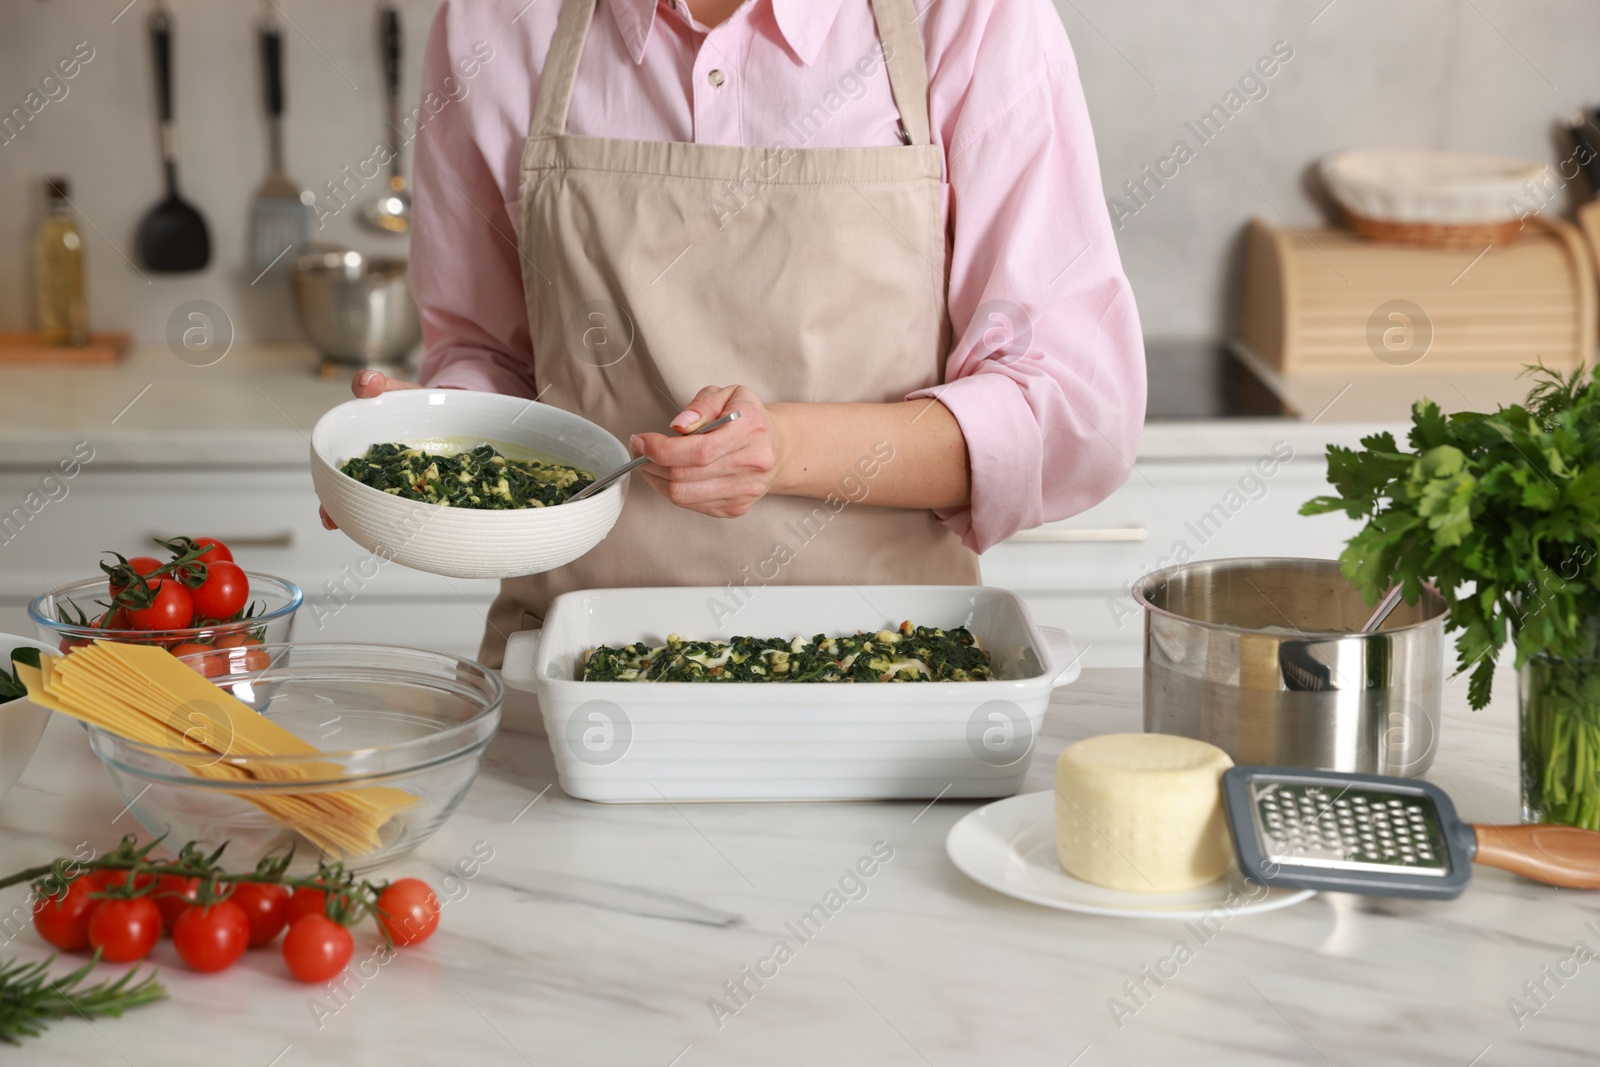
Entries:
{"x":716,"y":78}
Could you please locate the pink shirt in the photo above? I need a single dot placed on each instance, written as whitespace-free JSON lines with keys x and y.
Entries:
{"x":1046,"y":374}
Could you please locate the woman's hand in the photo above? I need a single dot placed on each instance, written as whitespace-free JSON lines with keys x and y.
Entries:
{"x":721,"y":473}
{"x":368,"y":383}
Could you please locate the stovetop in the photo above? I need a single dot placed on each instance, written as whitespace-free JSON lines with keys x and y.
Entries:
{"x":1204,"y":380}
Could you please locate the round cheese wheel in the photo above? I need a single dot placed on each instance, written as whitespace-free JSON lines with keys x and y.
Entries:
{"x":1142,"y":812}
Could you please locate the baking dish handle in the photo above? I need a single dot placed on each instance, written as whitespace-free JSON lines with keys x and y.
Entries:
{"x":1064,"y":656}
{"x":522,"y":652}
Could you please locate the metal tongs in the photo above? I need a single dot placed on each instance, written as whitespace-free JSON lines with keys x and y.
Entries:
{"x":635,"y":464}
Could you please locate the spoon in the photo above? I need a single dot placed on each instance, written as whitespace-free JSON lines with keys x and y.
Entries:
{"x":173,"y":237}
{"x":636,"y":463}
{"x":391,"y":211}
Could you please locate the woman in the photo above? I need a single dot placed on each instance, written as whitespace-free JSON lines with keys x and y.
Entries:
{"x":876,"y":234}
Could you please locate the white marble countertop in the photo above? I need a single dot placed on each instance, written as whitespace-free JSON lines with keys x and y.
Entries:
{"x":256,"y":408}
{"x":596,"y":935}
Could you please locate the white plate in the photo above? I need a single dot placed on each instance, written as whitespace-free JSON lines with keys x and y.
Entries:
{"x":1010,"y":846}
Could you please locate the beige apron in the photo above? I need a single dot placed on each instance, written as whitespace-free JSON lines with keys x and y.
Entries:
{"x":654,"y":269}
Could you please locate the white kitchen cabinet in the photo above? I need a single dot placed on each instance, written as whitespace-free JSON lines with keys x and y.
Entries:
{"x":1077,"y":574}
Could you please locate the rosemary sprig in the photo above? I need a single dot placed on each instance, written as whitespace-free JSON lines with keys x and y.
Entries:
{"x":30,"y":999}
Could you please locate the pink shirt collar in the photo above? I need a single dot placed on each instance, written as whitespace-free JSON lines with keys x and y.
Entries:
{"x":803,"y":23}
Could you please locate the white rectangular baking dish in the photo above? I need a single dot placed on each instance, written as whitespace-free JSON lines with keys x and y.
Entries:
{"x":644,"y":741}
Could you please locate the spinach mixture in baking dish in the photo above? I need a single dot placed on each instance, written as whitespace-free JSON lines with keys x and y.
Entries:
{"x":909,"y":654}
{"x":478,"y":478}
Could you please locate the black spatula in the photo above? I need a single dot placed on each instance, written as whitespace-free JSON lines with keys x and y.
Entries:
{"x":173,"y":237}
{"x":1396,"y":837}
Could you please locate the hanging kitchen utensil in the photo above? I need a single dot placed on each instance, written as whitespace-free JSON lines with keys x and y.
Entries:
{"x":639,"y":461}
{"x":1397,"y":837}
{"x":391,"y":211}
{"x":173,"y":237}
{"x":280,"y":218}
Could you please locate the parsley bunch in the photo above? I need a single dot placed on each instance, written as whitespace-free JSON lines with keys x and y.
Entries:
{"x":1500,"y":512}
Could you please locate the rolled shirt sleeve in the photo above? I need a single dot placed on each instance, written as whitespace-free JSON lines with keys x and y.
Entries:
{"x":1046,"y":375}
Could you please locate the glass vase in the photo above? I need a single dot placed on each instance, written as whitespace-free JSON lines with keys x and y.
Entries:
{"x":1559,"y":725}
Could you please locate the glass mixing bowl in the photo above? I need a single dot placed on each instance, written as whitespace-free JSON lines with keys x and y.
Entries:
{"x":279,"y":600}
{"x":400,"y":718}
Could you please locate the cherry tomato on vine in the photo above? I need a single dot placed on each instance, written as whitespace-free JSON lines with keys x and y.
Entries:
{"x":246,"y":657}
{"x":141,"y":565}
{"x":316,"y":948}
{"x":210,"y":666}
{"x":118,"y":879}
{"x":63,"y":921}
{"x":219,"y":552}
{"x":267,"y":908}
{"x":172,"y":608}
{"x":223,"y":593}
{"x":172,"y":894}
{"x":211,"y":937}
{"x":307,"y":901}
{"x":408,"y":911}
{"x":125,"y":930}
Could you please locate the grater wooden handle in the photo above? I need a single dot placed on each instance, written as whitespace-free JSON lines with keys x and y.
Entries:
{"x":1562,"y":856}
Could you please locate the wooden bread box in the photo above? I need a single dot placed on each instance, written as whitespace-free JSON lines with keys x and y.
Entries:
{"x":1331,"y":304}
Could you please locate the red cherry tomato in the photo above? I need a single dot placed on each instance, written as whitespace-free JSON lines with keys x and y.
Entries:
{"x":408,"y":911}
{"x":172,"y":894}
{"x":316,"y":948}
{"x":143,"y":566}
{"x":210,"y":666}
{"x":125,"y":930}
{"x":219,"y":552}
{"x":172,"y":608}
{"x":224,"y":592}
{"x":267,"y":908}
{"x":63,"y":921}
{"x":307,"y":902}
{"x":211,"y":937}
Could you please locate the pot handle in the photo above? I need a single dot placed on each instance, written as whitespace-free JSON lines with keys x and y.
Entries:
{"x":1064,"y":656}
{"x":522,"y":651}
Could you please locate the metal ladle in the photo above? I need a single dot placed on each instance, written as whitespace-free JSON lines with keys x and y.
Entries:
{"x":636,"y":463}
{"x":1390,"y":601}
{"x":391,"y":211}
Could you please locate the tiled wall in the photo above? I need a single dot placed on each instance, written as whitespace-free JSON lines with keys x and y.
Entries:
{"x":1482,"y":75}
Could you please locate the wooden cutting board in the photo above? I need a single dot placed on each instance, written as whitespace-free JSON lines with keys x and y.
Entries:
{"x":103,"y":347}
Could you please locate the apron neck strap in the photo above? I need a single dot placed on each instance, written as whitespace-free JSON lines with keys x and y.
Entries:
{"x":903,"y":61}
{"x":905,"y":64}
{"x":561,"y":69}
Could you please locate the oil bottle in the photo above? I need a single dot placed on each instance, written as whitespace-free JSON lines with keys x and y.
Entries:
{"x":58,"y":261}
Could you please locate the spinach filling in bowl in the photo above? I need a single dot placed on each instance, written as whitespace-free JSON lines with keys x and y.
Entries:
{"x":909,"y":654}
{"x":481,"y":478}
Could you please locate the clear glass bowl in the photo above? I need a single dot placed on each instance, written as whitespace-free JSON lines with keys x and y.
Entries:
{"x":280,"y":599}
{"x":401,"y":718}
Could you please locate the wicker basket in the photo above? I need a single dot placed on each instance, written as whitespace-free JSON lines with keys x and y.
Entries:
{"x":1436,"y":234}
{"x":1431,"y":199}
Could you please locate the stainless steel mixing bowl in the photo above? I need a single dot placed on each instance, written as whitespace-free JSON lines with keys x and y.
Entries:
{"x":357,"y":310}
{"x":1260,"y":657}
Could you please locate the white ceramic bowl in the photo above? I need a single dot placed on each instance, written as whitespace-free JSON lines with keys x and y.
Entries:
{"x":22,"y":722}
{"x":463,"y":542}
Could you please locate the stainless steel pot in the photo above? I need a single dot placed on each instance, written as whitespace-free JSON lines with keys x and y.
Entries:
{"x":1260,"y":657}
{"x":357,"y":310}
